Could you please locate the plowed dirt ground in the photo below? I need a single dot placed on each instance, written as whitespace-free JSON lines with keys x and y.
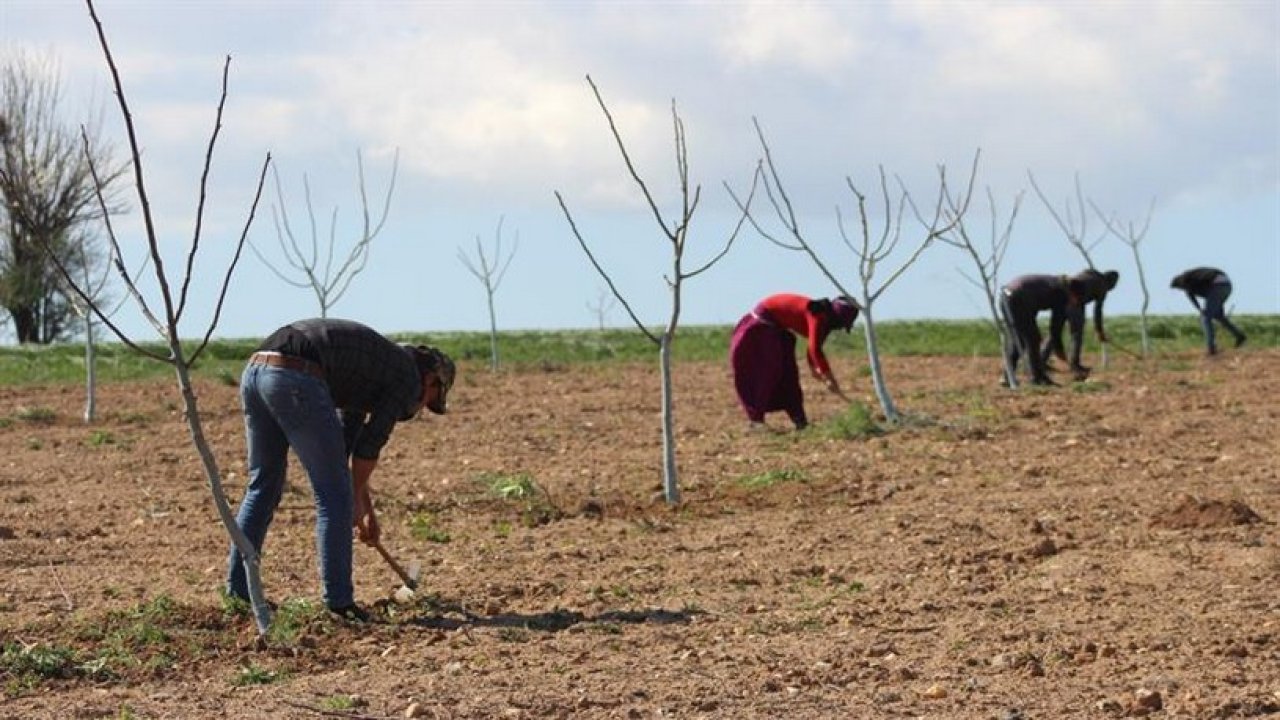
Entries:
{"x":1103,"y":550}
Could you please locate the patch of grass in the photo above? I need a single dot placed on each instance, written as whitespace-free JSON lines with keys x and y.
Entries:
{"x":510,"y":487}
{"x":854,"y":423}
{"x":254,"y":674}
{"x":227,"y":377}
{"x":1090,"y":386}
{"x":98,"y":438}
{"x":36,"y":415}
{"x":292,"y":618}
{"x":29,"y":665}
{"x":535,"y":505}
{"x":423,"y":527}
{"x":769,"y":478}
{"x":338,"y":702}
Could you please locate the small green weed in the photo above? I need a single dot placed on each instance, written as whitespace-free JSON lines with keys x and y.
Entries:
{"x":37,"y":415}
{"x":854,"y":423}
{"x":254,"y":674}
{"x":226,"y":377}
{"x":770,"y":478}
{"x":423,"y":527}
{"x":1090,"y":386}
{"x":537,"y":508}
{"x":291,"y":619}
{"x":510,"y":487}
{"x":338,"y":702}
{"x":98,"y":438}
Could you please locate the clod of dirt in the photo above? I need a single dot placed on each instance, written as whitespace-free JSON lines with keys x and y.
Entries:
{"x":1194,"y":512}
{"x":7,"y":533}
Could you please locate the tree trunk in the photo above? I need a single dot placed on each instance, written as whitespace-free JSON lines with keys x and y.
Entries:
{"x":493,"y":335}
{"x":670,"y":483}
{"x":877,"y":374}
{"x":261,"y":611}
{"x":90,"y":372}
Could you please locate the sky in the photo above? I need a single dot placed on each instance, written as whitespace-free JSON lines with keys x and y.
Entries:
{"x":1167,"y":110}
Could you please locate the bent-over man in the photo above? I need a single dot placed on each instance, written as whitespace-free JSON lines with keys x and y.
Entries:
{"x":1064,"y":297}
{"x":332,"y":390}
{"x":1215,"y":287}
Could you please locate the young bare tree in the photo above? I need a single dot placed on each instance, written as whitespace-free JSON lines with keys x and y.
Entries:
{"x":93,"y":282}
{"x":986,"y":261}
{"x":870,"y":252}
{"x":1133,"y":237}
{"x":490,"y":275}
{"x":167,"y":320}
{"x":47,"y":197}
{"x":1073,"y":221}
{"x":308,"y":266}
{"x":676,"y":234}
{"x":604,"y":303}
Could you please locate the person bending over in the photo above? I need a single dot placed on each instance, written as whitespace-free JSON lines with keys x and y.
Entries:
{"x":762,"y":352}
{"x":1214,"y":287}
{"x":332,"y":390}
{"x":1065,"y":297}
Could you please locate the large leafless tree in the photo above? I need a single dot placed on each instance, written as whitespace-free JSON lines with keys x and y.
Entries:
{"x":166,"y":319}
{"x":310,"y":263}
{"x":870,"y":249}
{"x":48,"y":207}
{"x":676,"y":233}
{"x":490,"y":271}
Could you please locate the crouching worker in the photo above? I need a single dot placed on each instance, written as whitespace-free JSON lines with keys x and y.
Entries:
{"x":763,"y":355}
{"x":1215,"y":287}
{"x":1065,"y":298}
{"x":331,"y":390}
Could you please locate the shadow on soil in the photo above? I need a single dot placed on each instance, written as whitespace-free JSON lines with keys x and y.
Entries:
{"x":552,"y":621}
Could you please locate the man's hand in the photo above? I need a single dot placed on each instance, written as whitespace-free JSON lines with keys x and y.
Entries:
{"x":366,"y":518}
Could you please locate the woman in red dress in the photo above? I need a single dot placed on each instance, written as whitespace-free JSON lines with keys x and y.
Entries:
{"x":762,"y":352}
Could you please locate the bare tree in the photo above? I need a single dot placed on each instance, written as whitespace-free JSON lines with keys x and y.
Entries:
{"x":986,"y":262}
{"x":1074,"y":223}
{"x":1133,"y":237}
{"x":869,"y":253}
{"x":48,"y":198}
{"x":317,"y":269}
{"x":490,"y":275}
{"x":166,"y":321}
{"x":604,"y":303}
{"x":676,"y":234}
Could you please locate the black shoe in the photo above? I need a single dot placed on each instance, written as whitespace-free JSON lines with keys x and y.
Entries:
{"x":352,"y":613}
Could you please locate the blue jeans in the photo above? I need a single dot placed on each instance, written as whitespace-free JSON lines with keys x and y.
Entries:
{"x":1214,"y":309}
{"x":290,"y":409}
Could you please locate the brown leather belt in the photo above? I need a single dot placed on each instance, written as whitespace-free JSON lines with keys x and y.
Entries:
{"x":275,"y":359}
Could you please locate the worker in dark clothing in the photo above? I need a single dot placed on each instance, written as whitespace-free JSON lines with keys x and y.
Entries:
{"x":1064,"y":297}
{"x":1215,"y":287}
{"x":332,"y":391}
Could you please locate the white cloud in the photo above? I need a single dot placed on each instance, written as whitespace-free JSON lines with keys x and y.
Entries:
{"x":808,"y":36}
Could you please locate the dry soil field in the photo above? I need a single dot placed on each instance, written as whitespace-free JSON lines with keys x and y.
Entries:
{"x":1108,"y":550}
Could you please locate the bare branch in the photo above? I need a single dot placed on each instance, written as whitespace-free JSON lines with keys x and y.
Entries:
{"x":609,"y":280}
{"x":226,"y":279}
{"x":626,"y":158}
{"x":204,"y":191}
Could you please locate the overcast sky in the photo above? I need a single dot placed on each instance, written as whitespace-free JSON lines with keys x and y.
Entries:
{"x":488,"y":105}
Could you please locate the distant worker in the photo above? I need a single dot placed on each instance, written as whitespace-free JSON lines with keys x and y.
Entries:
{"x":1215,"y":287}
{"x":332,"y":390}
{"x":1064,"y":297}
{"x":763,"y":348}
